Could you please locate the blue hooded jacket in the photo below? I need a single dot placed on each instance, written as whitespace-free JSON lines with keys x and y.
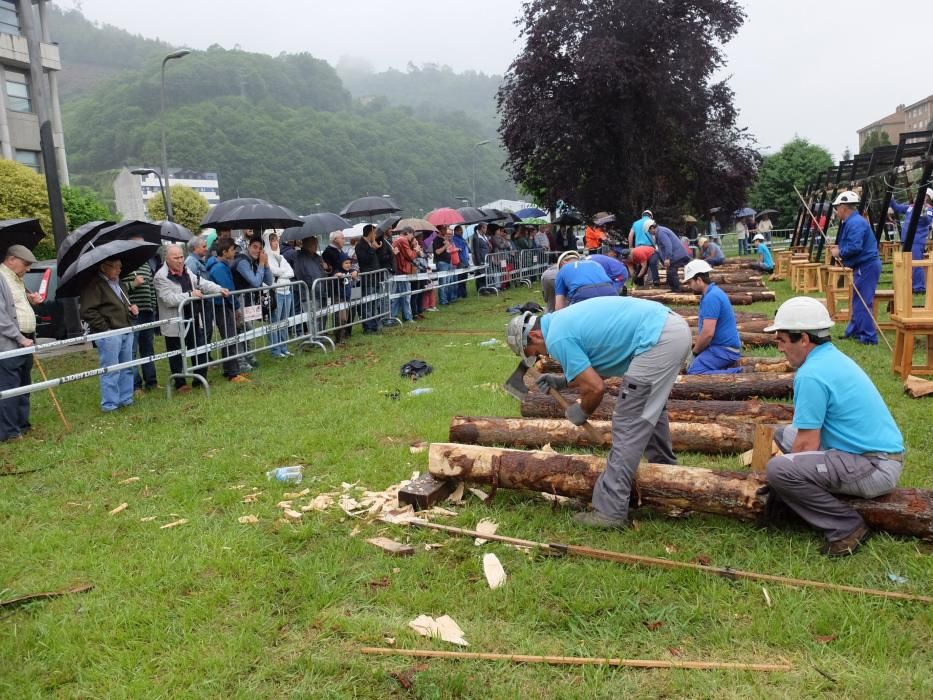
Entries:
{"x":220,"y":273}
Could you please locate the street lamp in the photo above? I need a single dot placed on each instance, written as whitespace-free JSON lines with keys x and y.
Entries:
{"x":475,"y":146}
{"x":464,"y":200}
{"x":150,"y":171}
{"x":166,"y":192}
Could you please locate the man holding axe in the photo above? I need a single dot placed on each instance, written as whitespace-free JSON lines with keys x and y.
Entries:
{"x":610,"y":337}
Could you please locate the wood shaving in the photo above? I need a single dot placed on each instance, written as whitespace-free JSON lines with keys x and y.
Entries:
{"x":292,"y":515}
{"x":480,"y":494}
{"x":120,"y":508}
{"x":175,"y":523}
{"x":492,"y":568}
{"x":322,"y":502}
{"x":457,"y":496}
{"x":283,"y":504}
{"x":147,"y":519}
{"x":247,"y":520}
{"x":131,"y":480}
{"x":485,"y":527}
{"x":547,"y":448}
{"x":417,"y":447}
{"x":251,"y":497}
{"x":443,"y":628}
{"x":300,"y":494}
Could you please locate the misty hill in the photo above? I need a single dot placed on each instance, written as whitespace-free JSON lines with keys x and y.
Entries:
{"x":283,"y":128}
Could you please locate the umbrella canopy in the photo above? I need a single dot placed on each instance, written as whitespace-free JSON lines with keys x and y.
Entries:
{"x":388,"y":224}
{"x":131,"y":253}
{"x":369,"y":206}
{"x":606,"y":219}
{"x":219,"y":211}
{"x":315,"y":225}
{"x":529,"y":212}
{"x":534,"y":221}
{"x":714,"y":210}
{"x":355,"y":231}
{"x":24,"y":232}
{"x":445,"y":216}
{"x":126,"y":229}
{"x":419,"y":225}
{"x":71,"y":247}
{"x":171,"y":231}
{"x":569,"y":217}
{"x":472,"y":215}
{"x":747,"y":211}
{"x":258,"y":214}
{"x":767,"y":212}
{"x":690,"y":219}
{"x":495,"y":214}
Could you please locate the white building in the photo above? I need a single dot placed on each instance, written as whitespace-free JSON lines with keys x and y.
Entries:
{"x":133,"y":192}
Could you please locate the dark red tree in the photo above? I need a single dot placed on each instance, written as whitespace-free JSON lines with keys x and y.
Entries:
{"x":612,"y":105}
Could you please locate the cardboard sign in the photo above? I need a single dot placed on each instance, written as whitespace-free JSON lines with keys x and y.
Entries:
{"x":252,"y":313}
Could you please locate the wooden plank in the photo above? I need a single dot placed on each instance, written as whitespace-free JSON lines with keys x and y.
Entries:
{"x":762,"y":447}
{"x":396,"y":549}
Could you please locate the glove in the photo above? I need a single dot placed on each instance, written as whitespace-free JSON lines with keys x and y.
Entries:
{"x":575,"y":413}
{"x":546,"y":382}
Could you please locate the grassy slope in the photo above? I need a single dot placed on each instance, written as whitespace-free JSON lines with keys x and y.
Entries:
{"x":214,"y":607}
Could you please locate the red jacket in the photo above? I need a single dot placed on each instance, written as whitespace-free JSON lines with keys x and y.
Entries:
{"x":405,"y":255}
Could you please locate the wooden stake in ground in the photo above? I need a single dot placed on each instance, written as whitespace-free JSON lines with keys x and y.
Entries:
{"x":762,"y":447}
{"x":575,"y":660}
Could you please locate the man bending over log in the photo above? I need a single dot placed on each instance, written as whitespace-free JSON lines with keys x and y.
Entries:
{"x":843,"y":439}
{"x":612,"y":337}
{"x":717,"y":348}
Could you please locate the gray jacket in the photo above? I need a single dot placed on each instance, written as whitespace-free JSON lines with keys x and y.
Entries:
{"x":170,"y":296}
{"x":10,"y":335}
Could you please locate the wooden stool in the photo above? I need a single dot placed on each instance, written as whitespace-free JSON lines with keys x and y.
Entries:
{"x":808,"y":277}
{"x":888,"y":249}
{"x":837,"y":285}
{"x":911,"y":322}
{"x":882,"y":296}
{"x":782,"y":264}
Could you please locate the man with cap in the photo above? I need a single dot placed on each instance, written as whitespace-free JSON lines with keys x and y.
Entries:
{"x":765,"y":260}
{"x":637,"y":339}
{"x":579,"y":279}
{"x":918,"y":249}
{"x":717,"y":347}
{"x":843,"y":439}
{"x":638,"y":235}
{"x":671,"y":252}
{"x":711,"y":252}
{"x":17,"y":330}
{"x":857,"y":248}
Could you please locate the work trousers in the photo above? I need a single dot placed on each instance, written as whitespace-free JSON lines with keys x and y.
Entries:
{"x":639,"y":422}
{"x":807,"y":482}
{"x":14,"y":412}
{"x":918,"y":252}
{"x":861,"y":325}
{"x":716,"y":359}
{"x":116,"y":388}
{"x":673,"y":274}
{"x":144,"y":346}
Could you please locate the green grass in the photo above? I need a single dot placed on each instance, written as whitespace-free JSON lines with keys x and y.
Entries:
{"x":215,"y":608}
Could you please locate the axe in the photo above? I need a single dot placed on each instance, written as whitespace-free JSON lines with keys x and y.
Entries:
{"x":515,"y":386}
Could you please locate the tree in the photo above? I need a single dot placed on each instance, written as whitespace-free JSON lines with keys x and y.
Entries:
{"x":23,"y":196}
{"x":188,"y":206}
{"x":82,"y":205}
{"x":795,"y":165}
{"x":611,"y":105}
{"x":873,"y":140}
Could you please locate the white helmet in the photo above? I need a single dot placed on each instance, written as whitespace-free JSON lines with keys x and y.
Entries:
{"x":649,"y":223}
{"x":930,"y":193}
{"x":847,"y":197}
{"x":802,"y":314}
{"x":516,"y":335}
{"x":758,"y":237}
{"x":702,"y":241}
{"x":694,"y":268}
{"x":647,"y":212}
{"x":567,"y":256}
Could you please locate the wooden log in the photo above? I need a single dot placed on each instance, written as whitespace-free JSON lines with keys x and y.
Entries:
{"x":537,"y":432}
{"x":757,"y":340}
{"x":757,"y":325}
{"x":539,"y":405}
{"x":737,"y":299}
{"x":672,"y":489}
{"x":749,"y":364}
{"x":725,"y":387}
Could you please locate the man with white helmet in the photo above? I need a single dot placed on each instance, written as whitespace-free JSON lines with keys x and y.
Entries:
{"x":765,"y":260}
{"x":579,"y":279}
{"x":637,"y":339}
{"x":843,"y":439}
{"x":919,"y":247}
{"x":717,"y":347}
{"x":857,"y":248}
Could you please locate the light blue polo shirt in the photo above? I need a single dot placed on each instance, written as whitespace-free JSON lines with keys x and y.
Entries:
{"x":642,"y":237}
{"x":605,"y":333}
{"x":832,"y":393}
{"x":765,"y":252}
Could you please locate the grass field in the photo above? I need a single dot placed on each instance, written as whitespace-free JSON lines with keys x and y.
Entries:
{"x":217,"y":608}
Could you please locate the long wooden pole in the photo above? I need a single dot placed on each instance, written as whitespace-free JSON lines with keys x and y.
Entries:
{"x":58,"y":406}
{"x":639,"y":560}
{"x":575,"y":660}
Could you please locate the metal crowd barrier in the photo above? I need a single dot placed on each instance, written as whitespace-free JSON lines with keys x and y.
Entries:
{"x":434,"y":280}
{"x":337,"y":303}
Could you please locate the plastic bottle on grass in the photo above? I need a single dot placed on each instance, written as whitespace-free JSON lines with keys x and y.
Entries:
{"x":420,"y":390}
{"x":489,"y":343}
{"x":289,"y":475}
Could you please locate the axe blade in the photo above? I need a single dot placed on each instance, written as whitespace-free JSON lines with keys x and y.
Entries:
{"x":515,"y":384}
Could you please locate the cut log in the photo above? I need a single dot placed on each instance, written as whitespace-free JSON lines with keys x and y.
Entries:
{"x":686,"y":299}
{"x":539,"y":405}
{"x":725,"y":387}
{"x":538,"y":432}
{"x":757,"y":340}
{"x":756,"y":325}
{"x":672,"y":489}
{"x":749,"y":364}
{"x":917,"y":387}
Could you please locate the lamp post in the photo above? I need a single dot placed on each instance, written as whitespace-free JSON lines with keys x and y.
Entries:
{"x":475,"y":146}
{"x":464,"y":200}
{"x":166,"y":192}
{"x":150,"y":171}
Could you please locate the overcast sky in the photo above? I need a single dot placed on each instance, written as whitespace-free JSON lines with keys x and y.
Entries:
{"x":788,"y":66}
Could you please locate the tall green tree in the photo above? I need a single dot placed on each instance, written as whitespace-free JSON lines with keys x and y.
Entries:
{"x":795,"y":165}
{"x":875,"y":139}
{"x":82,"y":205}
{"x":23,"y":196}
{"x":612,"y":105}
{"x":188,"y":207}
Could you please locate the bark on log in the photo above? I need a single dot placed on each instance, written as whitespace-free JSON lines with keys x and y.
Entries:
{"x":690,"y":312}
{"x":757,"y":340}
{"x":742,"y":299}
{"x":672,"y":489}
{"x":757,"y":325}
{"x":749,"y":364}
{"x":539,"y":405}
{"x":726,"y":387}
{"x":537,"y":432}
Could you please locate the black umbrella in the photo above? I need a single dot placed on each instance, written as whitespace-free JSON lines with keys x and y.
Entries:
{"x":221,"y":210}
{"x":369,"y":206}
{"x":126,"y":229}
{"x":766,"y":212}
{"x":131,"y":253}
{"x":569,"y":217}
{"x":257,"y":216}
{"x":494,"y":214}
{"x":472,"y":215}
{"x":71,"y":247}
{"x":25,"y":232}
{"x":388,"y":224}
{"x":171,"y":231}
{"x":315,"y":225}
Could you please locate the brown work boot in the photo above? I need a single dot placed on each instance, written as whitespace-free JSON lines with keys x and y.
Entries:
{"x":596,"y":519}
{"x":847,"y":545}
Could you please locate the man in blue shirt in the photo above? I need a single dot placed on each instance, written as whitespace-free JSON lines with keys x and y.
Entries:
{"x":918,"y":249}
{"x":711,"y":252}
{"x":857,"y":248}
{"x":612,"y":337}
{"x":638,"y":234}
{"x":671,"y":252}
{"x":765,"y":260}
{"x":843,"y":439}
{"x":579,"y":280}
{"x":717,"y":348}
{"x":615,"y":270}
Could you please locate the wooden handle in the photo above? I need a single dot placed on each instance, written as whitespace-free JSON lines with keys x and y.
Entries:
{"x":594,"y":434}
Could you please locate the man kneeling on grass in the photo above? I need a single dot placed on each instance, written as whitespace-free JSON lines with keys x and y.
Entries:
{"x":843,"y":439}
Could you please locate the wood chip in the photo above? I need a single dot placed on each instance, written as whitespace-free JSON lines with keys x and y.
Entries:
{"x":492,"y":567}
{"x":322,"y":502}
{"x":485,"y":527}
{"x":147,"y":519}
{"x":251,"y":497}
{"x":443,"y":627}
{"x":120,"y":508}
{"x":292,"y":515}
{"x":355,"y":531}
{"x":457,"y":496}
{"x":247,"y":520}
{"x":300,"y":494}
{"x":480,"y":494}
{"x":917,"y":387}
{"x":392,"y":547}
{"x":437,"y":510}
{"x":283,"y":504}
{"x":547,"y":448}
{"x":417,"y":447}
{"x":174,"y":523}
{"x":131,"y":480}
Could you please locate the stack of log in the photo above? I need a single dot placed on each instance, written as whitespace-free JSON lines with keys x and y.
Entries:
{"x":742,"y":285}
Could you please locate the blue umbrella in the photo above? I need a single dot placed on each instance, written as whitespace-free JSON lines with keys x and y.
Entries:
{"x":747,"y":211}
{"x":530,"y":213}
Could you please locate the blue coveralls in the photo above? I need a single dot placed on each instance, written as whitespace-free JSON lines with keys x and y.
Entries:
{"x":859,"y":251}
{"x":918,"y":249}
{"x":725,"y":348}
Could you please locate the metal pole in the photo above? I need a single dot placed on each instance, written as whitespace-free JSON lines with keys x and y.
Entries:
{"x":473,"y":179}
{"x":46,"y":140}
{"x":166,"y":189}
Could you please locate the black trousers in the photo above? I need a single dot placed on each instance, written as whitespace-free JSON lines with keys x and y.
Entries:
{"x":192,"y":339}
{"x":14,"y":412}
